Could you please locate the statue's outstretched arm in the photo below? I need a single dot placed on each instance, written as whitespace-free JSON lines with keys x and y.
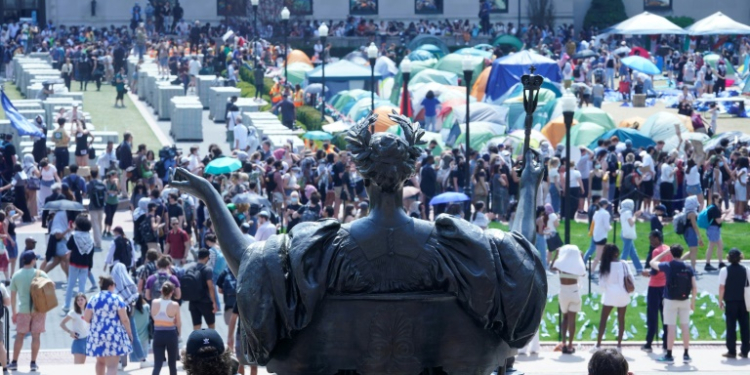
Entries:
{"x":231,"y":240}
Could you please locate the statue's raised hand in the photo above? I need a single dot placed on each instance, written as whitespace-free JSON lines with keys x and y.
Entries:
{"x":533,"y":167}
{"x":187,"y":182}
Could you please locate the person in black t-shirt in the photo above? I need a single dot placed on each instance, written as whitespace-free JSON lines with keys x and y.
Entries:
{"x":174,"y":210}
{"x":292,"y":208}
{"x":339,"y":168}
{"x":713,"y":232}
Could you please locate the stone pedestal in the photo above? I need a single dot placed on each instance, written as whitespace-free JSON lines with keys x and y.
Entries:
{"x":187,"y":100}
{"x":203,"y":86}
{"x":218,"y":102}
{"x":186,"y":122}
{"x":164,"y":102}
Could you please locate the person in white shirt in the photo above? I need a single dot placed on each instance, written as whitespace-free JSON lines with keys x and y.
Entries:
{"x":666,"y":186}
{"x":107,"y":159}
{"x":194,"y":68}
{"x":240,"y":132}
{"x":194,"y":161}
{"x":628,"y":234}
{"x":576,"y":192}
{"x":602,"y":226}
{"x":693,"y":182}
{"x":648,"y":172}
{"x":80,"y":329}
{"x":245,"y":228}
{"x":266,"y":229}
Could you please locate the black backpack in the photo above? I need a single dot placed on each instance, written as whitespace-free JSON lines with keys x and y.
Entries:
{"x":145,"y":230}
{"x":577,"y":72}
{"x":98,"y":195}
{"x":161,"y":278}
{"x":229,"y":286}
{"x":680,"y":282}
{"x":270,"y":182}
{"x":192,"y":285}
{"x":124,"y":251}
{"x":310,"y":214}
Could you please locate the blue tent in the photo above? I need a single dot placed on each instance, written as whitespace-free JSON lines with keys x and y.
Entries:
{"x":343,"y":75}
{"x":507,"y":71}
{"x":639,"y":140}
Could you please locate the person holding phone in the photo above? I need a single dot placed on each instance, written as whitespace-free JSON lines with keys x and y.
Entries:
{"x":80,"y":329}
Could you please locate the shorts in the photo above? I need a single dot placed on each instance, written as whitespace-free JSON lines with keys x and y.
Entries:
{"x":33,"y":323}
{"x":163,"y":61}
{"x":278,"y":197}
{"x":601,"y":242}
{"x":674,"y":309}
{"x":691,"y":238}
{"x":81,"y":152}
{"x":713,"y":233}
{"x":570,"y":298}
{"x":694,"y":190}
{"x":585,"y":187}
{"x":78,"y":346}
{"x":12,"y":250}
{"x":740,"y":192}
{"x":337,"y":190}
{"x":647,"y":188}
{"x":596,"y":193}
{"x":203,"y":310}
{"x":61,"y":248}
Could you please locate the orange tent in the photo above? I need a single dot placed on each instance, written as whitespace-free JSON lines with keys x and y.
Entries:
{"x":477,"y":91}
{"x":384,"y":122}
{"x":633,"y":122}
{"x":298,"y":56}
{"x":555,"y":130}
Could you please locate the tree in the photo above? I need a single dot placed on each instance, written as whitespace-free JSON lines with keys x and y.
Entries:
{"x":541,"y":12}
{"x":604,"y":13}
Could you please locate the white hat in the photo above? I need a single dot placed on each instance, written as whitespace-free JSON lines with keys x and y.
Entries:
{"x":569,"y":260}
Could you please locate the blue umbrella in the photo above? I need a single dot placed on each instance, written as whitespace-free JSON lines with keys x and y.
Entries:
{"x":317,"y":135}
{"x":223,"y":165}
{"x":641,"y":64}
{"x":449,"y":197}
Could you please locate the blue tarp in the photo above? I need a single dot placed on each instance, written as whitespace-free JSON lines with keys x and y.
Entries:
{"x":20,"y":123}
{"x":639,"y":140}
{"x":507,"y":71}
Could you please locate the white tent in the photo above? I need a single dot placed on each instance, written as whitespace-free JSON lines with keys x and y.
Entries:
{"x":646,"y":24}
{"x":718,"y":24}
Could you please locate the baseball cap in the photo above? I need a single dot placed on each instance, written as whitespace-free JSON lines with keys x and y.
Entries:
{"x":204,"y":338}
{"x":265,"y":214}
{"x":661,"y":208}
{"x":184,"y":160}
{"x":27,"y":257}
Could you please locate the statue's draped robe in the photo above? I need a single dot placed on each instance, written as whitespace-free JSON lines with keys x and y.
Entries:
{"x":497,"y":277}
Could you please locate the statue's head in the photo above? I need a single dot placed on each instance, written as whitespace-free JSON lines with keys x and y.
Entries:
{"x":384,"y":159}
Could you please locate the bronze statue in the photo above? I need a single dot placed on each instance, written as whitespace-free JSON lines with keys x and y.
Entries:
{"x":386,"y":294}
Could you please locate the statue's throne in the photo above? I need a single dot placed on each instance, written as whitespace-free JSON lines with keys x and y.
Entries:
{"x":404,"y":334}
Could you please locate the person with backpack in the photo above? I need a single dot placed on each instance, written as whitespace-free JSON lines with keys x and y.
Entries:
{"x":124,"y":154}
{"x":177,"y":243}
{"x":691,"y":233}
{"x":81,"y":247}
{"x":147,"y":269}
{"x":198,"y":289}
{"x":710,"y":220}
{"x":311,"y":211}
{"x":25,"y":317}
{"x":227,"y":285}
{"x":97,"y":193}
{"x":155,"y":282}
{"x":111,"y":203}
{"x":679,"y":299}
{"x":121,"y":250}
{"x":76,"y":183}
{"x":216,"y":262}
{"x":732,"y":282}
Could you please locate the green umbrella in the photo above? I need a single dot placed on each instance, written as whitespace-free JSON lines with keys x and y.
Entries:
{"x":584,"y":133}
{"x":223,"y":165}
{"x":508,"y":40}
{"x":317,"y":135}
{"x":595,"y":115}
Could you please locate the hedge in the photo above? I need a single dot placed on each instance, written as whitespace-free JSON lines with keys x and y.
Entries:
{"x":310,"y":117}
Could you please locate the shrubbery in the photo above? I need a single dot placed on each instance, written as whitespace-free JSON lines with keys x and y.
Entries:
{"x":604,"y":13}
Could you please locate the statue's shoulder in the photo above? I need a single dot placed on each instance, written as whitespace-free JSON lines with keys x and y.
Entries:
{"x":452,"y":227}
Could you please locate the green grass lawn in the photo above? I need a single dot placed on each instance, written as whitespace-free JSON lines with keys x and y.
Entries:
{"x":733,"y":235}
{"x":104,"y":115}
{"x":707,"y":317}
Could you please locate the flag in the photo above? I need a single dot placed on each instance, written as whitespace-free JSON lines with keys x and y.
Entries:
{"x":22,"y":125}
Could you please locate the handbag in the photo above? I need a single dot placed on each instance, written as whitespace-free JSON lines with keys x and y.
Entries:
{"x":629,"y":286}
{"x":92,"y":153}
{"x":33,"y":183}
{"x":554,"y":242}
{"x":747,"y":290}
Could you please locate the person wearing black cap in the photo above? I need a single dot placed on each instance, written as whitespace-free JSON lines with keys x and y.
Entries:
{"x":205,"y":355}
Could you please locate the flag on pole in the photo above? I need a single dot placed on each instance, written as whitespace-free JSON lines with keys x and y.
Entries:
{"x":22,"y":125}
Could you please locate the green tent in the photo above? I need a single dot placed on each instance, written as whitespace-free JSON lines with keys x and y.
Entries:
{"x":595,"y":115}
{"x":454,"y":63}
{"x":508,"y":40}
{"x":433,"y":75}
{"x":398,"y":82}
{"x":584,"y":133}
{"x":344,"y":100}
{"x":481,"y":133}
{"x":713,"y":58}
{"x":362,"y":107}
{"x":431,"y":48}
{"x":474,"y":52}
{"x":296,"y":72}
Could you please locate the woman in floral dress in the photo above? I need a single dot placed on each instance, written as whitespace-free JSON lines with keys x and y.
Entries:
{"x":108,"y":338}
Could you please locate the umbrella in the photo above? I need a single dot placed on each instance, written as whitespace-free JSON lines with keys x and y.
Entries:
{"x":449,"y":197}
{"x":484,"y":46}
{"x":641,"y":64}
{"x":640,"y":51}
{"x":223,"y":165}
{"x":63,"y":205}
{"x":317,"y":135}
{"x":410,"y":191}
{"x":255,"y":201}
{"x":585,"y":54}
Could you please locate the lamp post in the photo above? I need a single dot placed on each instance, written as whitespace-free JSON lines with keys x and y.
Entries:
{"x":372,"y":55}
{"x":468,"y":72}
{"x":568,"y":104}
{"x":255,"y":3}
{"x":323,"y":33}
{"x":406,"y":74}
{"x":285,"y":21}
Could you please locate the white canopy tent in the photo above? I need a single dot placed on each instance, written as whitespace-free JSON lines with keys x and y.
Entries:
{"x":646,"y":24}
{"x":718,"y":24}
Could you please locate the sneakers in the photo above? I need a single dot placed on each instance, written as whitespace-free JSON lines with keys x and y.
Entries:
{"x":646,"y":348}
{"x":722,"y":265}
{"x":668,"y":359}
{"x":686,"y":358}
{"x":13,"y":366}
{"x":594,"y":349}
{"x":34,"y":367}
{"x":729,"y":355}
{"x":93,"y":288}
{"x":709,"y":268}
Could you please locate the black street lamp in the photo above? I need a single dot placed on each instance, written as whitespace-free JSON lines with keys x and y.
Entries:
{"x":285,"y":21}
{"x":255,"y":18}
{"x":323,"y":33}
{"x":468,"y":72}
{"x":532,"y":83}
{"x":406,"y":74}
{"x":568,"y":104}
{"x":372,"y":56}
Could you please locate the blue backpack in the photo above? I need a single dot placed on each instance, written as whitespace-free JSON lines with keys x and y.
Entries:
{"x":221,"y":262}
{"x":703,"y":221}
